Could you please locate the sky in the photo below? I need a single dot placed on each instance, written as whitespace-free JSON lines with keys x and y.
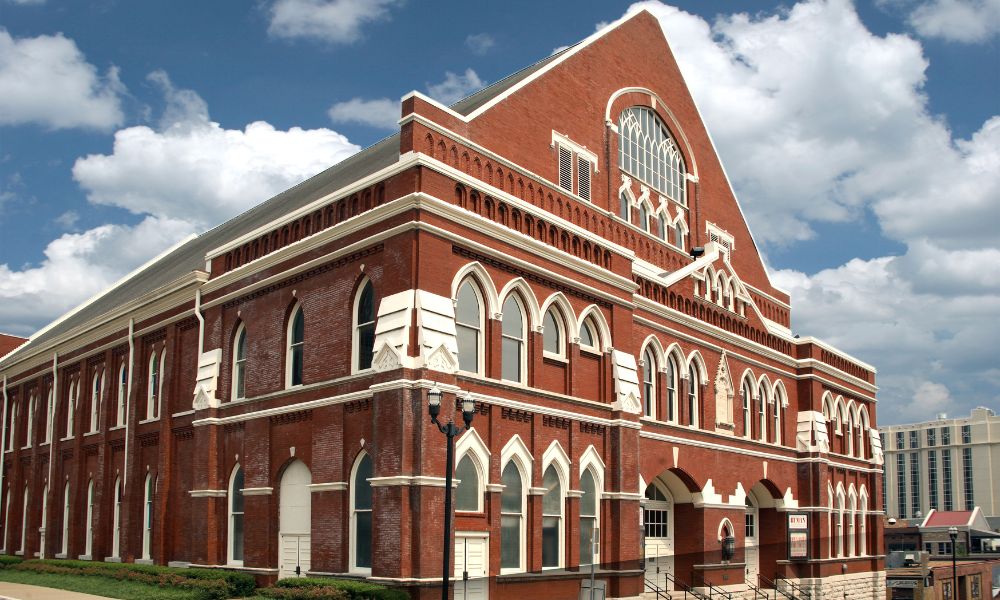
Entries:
{"x":862,"y":140}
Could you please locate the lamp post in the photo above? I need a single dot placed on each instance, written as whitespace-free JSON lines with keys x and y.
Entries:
{"x":953,"y":534}
{"x":450,"y":430}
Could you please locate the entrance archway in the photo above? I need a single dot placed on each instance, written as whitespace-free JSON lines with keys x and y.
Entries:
{"x":658,"y":535}
{"x":295,"y":521}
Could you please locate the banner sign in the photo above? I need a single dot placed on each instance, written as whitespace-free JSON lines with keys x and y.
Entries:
{"x":798,"y":536}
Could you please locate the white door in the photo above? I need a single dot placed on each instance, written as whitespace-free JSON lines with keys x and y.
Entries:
{"x":471,"y":567}
{"x":295,"y":521}
{"x":751,"y":546}
{"x":658,"y":535}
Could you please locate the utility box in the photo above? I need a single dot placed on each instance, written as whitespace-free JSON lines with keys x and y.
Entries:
{"x":596,"y":594}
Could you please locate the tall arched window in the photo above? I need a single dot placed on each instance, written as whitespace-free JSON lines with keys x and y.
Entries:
{"x":120,"y":413}
{"x":673,"y":377}
{"x":852,"y":517}
{"x":589,"y":340}
{"x":623,"y":206}
{"x":589,"y":503}
{"x":30,"y":429}
{"x":74,"y":392}
{"x":364,"y":326}
{"x":552,"y":510}
{"x":117,"y":519}
{"x":863,"y":520}
{"x":147,"y":517}
{"x":747,"y":399}
{"x":89,"y":529}
{"x":648,"y":383}
{"x":762,"y":413}
{"x":296,"y":344}
{"x":553,"y":338}
{"x":840,"y":522}
{"x":469,"y":326}
{"x":49,"y":414}
{"x":13,"y":427}
{"x":644,"y":217}
{"x":64,"y":544}
{"x":467,"y":494}
{"x":240,"y":363}
{"x":24,"y":520}
{"x":679,"y":235}
{"x":647,"y":151}
{"x":694,"y":385}
{"x":512,"y":341}
{"x":361,"y":515}
{"x":235,"y":549}
{"x":777,"y":400}
{"x":661,"y":231}
{"x":153,"y":386}
{"x":511,"y":519}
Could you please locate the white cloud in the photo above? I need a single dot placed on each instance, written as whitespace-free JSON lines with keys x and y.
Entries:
{"x":333,"y":21}
{"x":382,"y":113}
{"x":965,"y":21}
{"x":455,"y":87}
{"x":46,"y":80}
{"x":68,"y":219}
{"x":480,"y":43}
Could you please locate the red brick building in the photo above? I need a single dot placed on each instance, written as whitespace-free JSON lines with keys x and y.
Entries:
{"x":564,"y":246}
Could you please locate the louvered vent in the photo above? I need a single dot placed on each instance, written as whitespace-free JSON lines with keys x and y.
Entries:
{"x":565,"y":169}
{"x":583,"y":172}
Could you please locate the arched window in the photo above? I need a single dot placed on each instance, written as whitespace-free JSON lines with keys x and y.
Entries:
{"x":840,"y":523}
{"x":49,"y":413}
{"x":852,"y":517}
{"x":552,"y":510}
{"x":74,"y":392}
{"x":589,"y":503}
{"x":694,"y":384}
{"x":236,"y":485}
{"x":644,"y":217}
{"x":647,"y":151}
{"x":147,"y":517}
{"x":64,"y":544}
{"x":89,"y":529}
{"x":648,"y":383}
{"x":152,"y":391}
{"x":863,"y":537}
{"x":679,"y":235}
{"x":13,"y":429}
{"x":849,"y":434}
{"x":116,"y":520}
{"x":553,"y":337}
{"x":511,"y":519}
{"x":778,"y":401}
{"x":762,"y":413}
{"x":24,"y":520}
{"x":296,"y":345}
{"x":364,"y":326}
{"x":661,"y":230}
{"x":120,"y":413}
{"x":623,"y":206}
{"x":656,"y":513}
{"x":512,"y":340}
{"x":673,"y":377}
{"x":747,"y":399}
{"x":469,"y":327}
{"x":750,"y":521}
{"x":240,"y":363}
{"x":361,"y":515}
{"x":588,"y":336}
{"x":468,"y":494}
{"x":30,"y":429}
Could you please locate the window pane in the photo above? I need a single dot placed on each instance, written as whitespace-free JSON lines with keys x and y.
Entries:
{"x":587,"y":334}
{"x":588,"y":502}
{"x":468,"y":348}
{"x":511,"y":359}
{"x":366,"y":305}
{"x":467,"y":311}
{"x":510,"y":542}
{"x":552,"y":500}
{"x":510,"y":498}
{"x":240,"y":381}
{"x":237,"y":491}
{"x":363,"y":543}
{"x":298,"y":328}
{"x":366,"y":345}
{"x":551,"y":335}
{"x":238,"y":537}
{"x":297,"y":365}
{"x":550,"y":541}
{"x":513,"y":321}
{"x":241,"y":347}
{"x":362,"y":487}
{"x":586,"y":533}
{"x":467,"y":494}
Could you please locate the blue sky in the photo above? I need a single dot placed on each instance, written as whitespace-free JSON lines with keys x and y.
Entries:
{"x":862,"y":140}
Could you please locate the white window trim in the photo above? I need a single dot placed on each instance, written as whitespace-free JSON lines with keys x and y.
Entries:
{"x":64,"y":545}
{"x":116,"y":520}
{"x":147,"y":516}
{"x":674,"y":410}
{"x":24,"y":521}
{"x":234,"y":393}
{"x":121,"y":417}
{"x":355,"y":349}
{"x":31,"y":421}
{"x":590,"y":461}
{"x":353,"y":565}
{"x":296,"y":309}
{"x":560,"y":319}
{"x":516,"y":450}
{"x":525,"y":329}
{"x":89,"y":546}
{"x":554,"y":456}
{"x":96,"y":391}
{"x":50,"y":414}
{"x":559,"y":139}
{"x":230,"y":539}
{"x":650,"y":370}
{"x":483,"y":317}
{"x":471,"y":444}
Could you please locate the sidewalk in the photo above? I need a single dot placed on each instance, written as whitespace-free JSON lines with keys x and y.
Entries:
{"x":20,"y":591}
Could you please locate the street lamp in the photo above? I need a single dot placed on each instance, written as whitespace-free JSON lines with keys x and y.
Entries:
{"x":953,"y":534}
{"x":450,"y":430}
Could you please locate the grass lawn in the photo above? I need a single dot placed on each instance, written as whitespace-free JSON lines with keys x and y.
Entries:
{"x":100,"y":586}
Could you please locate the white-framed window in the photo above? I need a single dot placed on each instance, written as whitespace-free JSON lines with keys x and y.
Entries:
{"x":24,"y":520}
{"x":89,"y":529}
{"x":295,"y":346}
{"x":120,"y":411}
{"x":153,"y":385}
{"x":147,"y":516}
{"x":673,"y":378}
{"x":840,"y":523}
{"x":64,"y":544}
{"x":624,"y":207}
{"x":644,"y":217}
{"x":589,"y":339}
{"x":679,"y":234}
{"x":240,"y":363}
{"x":95,"y":400}
{"x":13,"y":428}
{"x":747,"y":398}
{"x":590,"y":503}
{"x":49,"y":415}
{"x":364,"y":326}
{"x":852,"y":517}
{"x":469,"y":326}
{"x":583,"y":172}
{"x":565,"y":168}
{"x":694,"y":387}
{"x":74,"y":394}
{"x":649,"y":383}
{"x":762,"y":400}
{"x":778,"y":401}
{"x":117,"y":520}
{"x":513,"y":359}
{"x":468,"y":494}
{"x":656,"y":513}
{"x":553,"y":334}
{"x":647,"y":151}
{"x":234,"y":553}
{"x":6,"y":520}
{"x":361,"y":514}
{"x":512,"y":527}
{"x":863,"y":537}
{"x":552,"y":519}
{"x":30,"y":429}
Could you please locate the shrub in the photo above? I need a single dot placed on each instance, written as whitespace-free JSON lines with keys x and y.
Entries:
{"x":354,"y":590}
{"x":6,"y":561}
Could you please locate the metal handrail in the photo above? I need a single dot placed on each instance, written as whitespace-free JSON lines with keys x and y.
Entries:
{"x":795,"y":588}
{"x":757,"y":591}
{"x":660,"y":592}
{"x":714,"y":590}
{"x":765,"y":582}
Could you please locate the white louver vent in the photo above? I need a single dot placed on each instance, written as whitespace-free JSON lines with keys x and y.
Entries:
{"x":565,"y":169}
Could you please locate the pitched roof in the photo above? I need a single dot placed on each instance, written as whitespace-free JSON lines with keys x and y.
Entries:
{"x":9,"y":342}
{"x":469,"y":104}
{"x":947,"y":518}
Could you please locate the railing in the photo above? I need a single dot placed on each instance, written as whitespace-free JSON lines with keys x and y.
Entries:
{"x":715,"y":592}
{"x":767,"y":583}
{"x":757,"y":591}
{"x":660,"y":592}
{"x":799,"y":592}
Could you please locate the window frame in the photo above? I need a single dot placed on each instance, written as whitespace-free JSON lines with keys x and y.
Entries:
{"x":356,"y":326}
{"x":480,"y":485}
{"x":694,"y":394}
{"x":238,"y":379}
{"x":590,"y":325}
{"x":480,"y":330}
{"x":153,"y":386}
{"x":522,"y":341}
{"x":121,"y":416}
{"x":149,"y":492}
{"x":560,"y":326}
{"x":648,"y":381}
{"x":291,"y":346}
{"x":560,"y":477}
{"x":353,"y":541}
{"x":231,"y":518}
{"x":522,"y":517}
{"x":89,"y":524}
{"x":116,"y":519}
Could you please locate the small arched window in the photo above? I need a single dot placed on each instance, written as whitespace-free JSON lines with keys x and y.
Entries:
{"x":64,"y":545}
{"x":74,"y":390}
{"x":679,"y":235}
{"x":469,"y":326}
{"x":762,"y":401}
{"x":89,"y":529}
{"x":236,"y":529}
{"x":120,"y":413}
{"x":30,"y":429}
{"x":49,"y":414}
{"x":511,"y":519}
{"x":296,"y":346}
{"x":364,"y":326}
{"x":588,"y":336}
{"x":673,"y":377}
{"x":648,"y":383}
{"x":116,"y":520}
{"x":644,"y":217}
{"x":647,"y":151}
{"x":361,"y":513}
{"x":589,"y":503}
{"x":552,"y":512}
{"x":154,"y":385}
{"x":240,"y":363}
{"x":512,"y":340}
{"x":623,"y":206}
{"x":553,"y":339}
{"x":662,"y":229}
{"x":467,"y":495}
{"x":694,"y":385}
{"x":95,"y":401}
{"x":24,"y":520}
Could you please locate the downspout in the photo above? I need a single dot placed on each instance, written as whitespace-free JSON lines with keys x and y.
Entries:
{"x":51,"y":411}
{"x":201,"y":322}
{"x":128,"y":397}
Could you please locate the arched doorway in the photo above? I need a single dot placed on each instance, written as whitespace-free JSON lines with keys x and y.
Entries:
{"x":295,"y":521}
{"x":658,"y":535}
{"x":751,"y":538}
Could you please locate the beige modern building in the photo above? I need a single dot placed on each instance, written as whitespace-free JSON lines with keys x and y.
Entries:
{"x":946,"y":464}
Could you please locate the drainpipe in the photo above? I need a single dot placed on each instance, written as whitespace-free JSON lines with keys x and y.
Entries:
{"x":51,"y":411}
{"x":128,"y":397}
{"x":201,"y":322}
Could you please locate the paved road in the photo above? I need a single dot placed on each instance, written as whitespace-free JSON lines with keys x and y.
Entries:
{"x":20,"y":591}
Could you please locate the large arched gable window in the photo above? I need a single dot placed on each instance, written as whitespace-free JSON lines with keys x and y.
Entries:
{"x":513,"y":340}
{"x":647,"y":151}
{"x":364,"y":326}
{"x":469,"y":322}
{"x":234,"y":552}
{"x":295,"y":347}
{"x":361,"y":514}
{"x":240,"y":363}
